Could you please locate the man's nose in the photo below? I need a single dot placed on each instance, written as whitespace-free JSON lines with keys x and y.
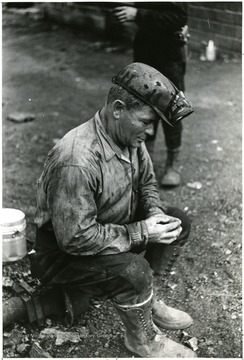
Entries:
{"x":150,"y":130}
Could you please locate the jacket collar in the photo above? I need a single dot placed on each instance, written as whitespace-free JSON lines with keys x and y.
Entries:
{"x":110,"y":149}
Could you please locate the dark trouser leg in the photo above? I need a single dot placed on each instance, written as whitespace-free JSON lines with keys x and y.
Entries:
{"x":125,"y":278}
{"x":161,"y":257}
{"x":172,"y":136}
{"x":175,"y":72}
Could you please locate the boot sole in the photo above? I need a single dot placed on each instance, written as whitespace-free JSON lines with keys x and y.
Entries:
{"x":146,"y":356}
{"x":130,"y":349}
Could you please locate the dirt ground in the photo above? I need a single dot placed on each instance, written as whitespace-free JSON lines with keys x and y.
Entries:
{"x":62,"y":77}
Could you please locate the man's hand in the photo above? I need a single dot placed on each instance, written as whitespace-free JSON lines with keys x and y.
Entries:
{"x":125,"y":13}
{"x":163,"y":229}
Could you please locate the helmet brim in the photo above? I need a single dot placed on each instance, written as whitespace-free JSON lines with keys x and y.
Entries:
{"x":155,"y":90}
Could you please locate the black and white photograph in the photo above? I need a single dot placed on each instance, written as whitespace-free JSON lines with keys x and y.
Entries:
{"x":121,"y":213}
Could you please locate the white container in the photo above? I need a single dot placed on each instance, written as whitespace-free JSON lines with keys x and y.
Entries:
{"x":13,"y":228}
{"x":211,"y":51}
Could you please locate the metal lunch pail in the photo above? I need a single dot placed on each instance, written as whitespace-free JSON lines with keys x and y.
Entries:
{"x":13,"y":229}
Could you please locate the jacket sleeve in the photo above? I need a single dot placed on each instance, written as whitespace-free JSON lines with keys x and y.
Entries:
{"x":71,"y":202}
{"x":148,"y":194}
{"x":165,"y":18}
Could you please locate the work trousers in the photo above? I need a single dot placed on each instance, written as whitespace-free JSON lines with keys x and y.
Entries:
{"x":126,"y":278}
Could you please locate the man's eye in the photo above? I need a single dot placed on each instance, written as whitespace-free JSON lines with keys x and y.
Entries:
{"x":147,"y":123}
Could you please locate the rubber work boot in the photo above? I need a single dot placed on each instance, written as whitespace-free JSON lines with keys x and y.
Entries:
{"x":171,"y":177}
{"x":143,"y":338}
{"x":169,"y":318}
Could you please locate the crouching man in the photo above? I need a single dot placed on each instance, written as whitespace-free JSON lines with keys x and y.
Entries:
{"x":100,"y":223}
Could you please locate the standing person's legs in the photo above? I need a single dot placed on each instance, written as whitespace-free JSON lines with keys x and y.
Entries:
{"x":174,"y":72}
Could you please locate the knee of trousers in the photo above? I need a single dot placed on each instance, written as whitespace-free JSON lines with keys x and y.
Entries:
{"x":138,"y":273}
{"x":136,"y":280}
{"x":185,"y":224}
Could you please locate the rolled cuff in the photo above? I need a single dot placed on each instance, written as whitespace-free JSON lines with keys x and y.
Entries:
{"x":138,"y":233}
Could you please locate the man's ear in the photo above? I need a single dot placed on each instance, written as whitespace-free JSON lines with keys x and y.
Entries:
{"x":118,"y":108}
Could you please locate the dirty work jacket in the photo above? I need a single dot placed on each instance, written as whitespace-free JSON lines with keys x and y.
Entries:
{"x":89,"y":193}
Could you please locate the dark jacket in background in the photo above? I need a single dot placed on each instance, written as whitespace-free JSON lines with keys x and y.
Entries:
{"x":157,"y":40}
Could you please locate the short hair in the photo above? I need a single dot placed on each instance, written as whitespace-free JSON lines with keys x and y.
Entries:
{"x":117,"y":92}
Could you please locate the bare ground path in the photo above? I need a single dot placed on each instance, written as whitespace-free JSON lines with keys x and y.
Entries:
{"x":63,"y":77}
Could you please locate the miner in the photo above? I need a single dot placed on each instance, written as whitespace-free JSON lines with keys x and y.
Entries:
{"x":101,"y":225}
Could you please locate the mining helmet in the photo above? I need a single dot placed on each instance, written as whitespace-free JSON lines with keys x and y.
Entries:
{"x":154,"y":89}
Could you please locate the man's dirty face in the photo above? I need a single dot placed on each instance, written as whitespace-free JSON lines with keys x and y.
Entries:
{"x":136,"y":125}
